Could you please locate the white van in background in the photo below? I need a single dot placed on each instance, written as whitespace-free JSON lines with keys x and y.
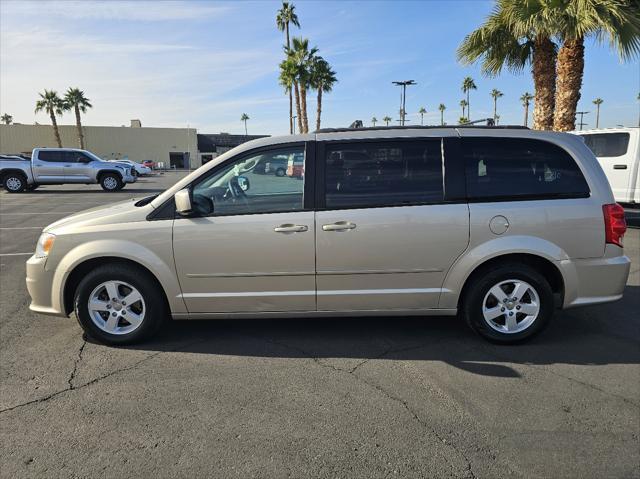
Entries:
{"x":618,"y":151}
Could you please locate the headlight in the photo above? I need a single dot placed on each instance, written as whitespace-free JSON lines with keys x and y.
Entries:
{"x":45,"y":243}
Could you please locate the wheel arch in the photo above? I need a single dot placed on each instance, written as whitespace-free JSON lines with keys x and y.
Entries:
{"x":9,"y":171}
{"x":545,"y":267}
{"x":544,"y":256}
{"x":76,"y":275}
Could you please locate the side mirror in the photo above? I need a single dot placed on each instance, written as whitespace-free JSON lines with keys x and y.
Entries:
{"x":183,"y":202}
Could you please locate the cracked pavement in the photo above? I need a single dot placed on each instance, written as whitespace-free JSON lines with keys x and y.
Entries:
{"x":366,"y":397}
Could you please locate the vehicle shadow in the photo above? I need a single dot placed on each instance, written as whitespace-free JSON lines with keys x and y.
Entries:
{"x":606,"y":334}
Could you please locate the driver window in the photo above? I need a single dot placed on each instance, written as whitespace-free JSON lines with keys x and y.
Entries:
{"x":269,"y":182}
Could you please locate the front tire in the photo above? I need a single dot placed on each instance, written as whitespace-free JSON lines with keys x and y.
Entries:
{"x":14,"y":183}
{"x":280,"y":172}
{"x":111,"y":182}
{"x":117,"y":304}
{"x":509,"y":304}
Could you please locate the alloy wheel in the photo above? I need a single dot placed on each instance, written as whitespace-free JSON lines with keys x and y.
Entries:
{"x":116,"y":307}
{"x":511,"y":306}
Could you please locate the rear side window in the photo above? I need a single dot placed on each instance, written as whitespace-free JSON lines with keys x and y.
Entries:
{"x":383,"y":174}
{"x":607,"y":144}
{"x":51,"y":156}
{"x":514,"y":168}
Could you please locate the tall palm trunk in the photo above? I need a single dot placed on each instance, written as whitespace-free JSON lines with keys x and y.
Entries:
{"x":298,"y":111}
{"x":568,"y":84}
{"x":303,"y":107}
{"x":319,"y":107}
{"x":526,"y":115}
{"x":55,"y":129}
{"x":468,"y":107}
{"x":544,"y":80}
{"x":79,"y":127}
{"x":597,"y":116}
{"x":290,"y":92}
{"x":441,"y":118}
{"x":495,"y":108}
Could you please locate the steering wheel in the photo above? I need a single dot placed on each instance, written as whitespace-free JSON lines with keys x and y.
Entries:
{"x":236,"y":192}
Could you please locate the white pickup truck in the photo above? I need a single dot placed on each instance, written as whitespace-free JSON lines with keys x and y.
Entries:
{"x":618,"y":151}
{"x":57,"y":166}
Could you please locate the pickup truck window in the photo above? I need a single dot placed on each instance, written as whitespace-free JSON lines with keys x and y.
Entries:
{"x":52,"y":156}
{"x":76,"y":157}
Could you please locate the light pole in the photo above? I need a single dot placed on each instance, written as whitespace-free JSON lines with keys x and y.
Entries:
{"x":403,"y":97}
{"x":582,"y":114}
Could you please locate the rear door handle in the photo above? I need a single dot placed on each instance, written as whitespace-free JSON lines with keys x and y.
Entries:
{"x":339,"y":226}
{"x":619,"y":167}
{"x":290,"y":228}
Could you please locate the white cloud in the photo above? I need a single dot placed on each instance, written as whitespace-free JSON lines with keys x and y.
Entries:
{"x":145,"y":11}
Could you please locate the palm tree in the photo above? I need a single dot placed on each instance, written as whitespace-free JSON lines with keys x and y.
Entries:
{"x":74,"y":98}
{"x":302,"y":57}
{"x":526,"y":99}
{"x":514,"y":35}
{"x":285,"y":16}
{"x":6,"y":119}
{"x":322,"y":80}
{"x":374,"y":120}
{"x":386,"y":120}
{"x":52,"y":104}
{"x":467,"y":85}
{"x":244,"y":117}
{"x":442,"y":108}
{"x":288,"y":80}
{"x":497,"y":119}
{"x":495,"y":94}
{"x":597,"y":102}
{"x":462,"y":120}
{"x":422,"y":111}
{"x":463,"y":104}
{"x":573,"y":21}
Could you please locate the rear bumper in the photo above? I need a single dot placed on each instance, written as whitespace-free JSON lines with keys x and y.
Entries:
{"x":597,"y":280}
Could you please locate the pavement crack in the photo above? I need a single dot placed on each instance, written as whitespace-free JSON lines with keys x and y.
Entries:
{"x":76,"y":363}
{"x":71,"y":387}
{"x":384,"y":392}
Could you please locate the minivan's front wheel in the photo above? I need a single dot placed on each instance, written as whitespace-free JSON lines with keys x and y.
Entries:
{"x":509,"y":304}
{"x":111,"y":182}
{"x":119,"y":305}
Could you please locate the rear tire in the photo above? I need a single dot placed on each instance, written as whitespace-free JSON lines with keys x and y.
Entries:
{"x":493,"y":309}
{"x":14,"y":182}
{"x":280,"y":172}
{"x":111,"y":182}
{"x":109,"y":319}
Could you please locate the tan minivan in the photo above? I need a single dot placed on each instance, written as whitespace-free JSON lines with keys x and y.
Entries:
{"x":502,"y":225}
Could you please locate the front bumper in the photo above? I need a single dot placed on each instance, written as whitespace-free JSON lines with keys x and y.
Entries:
{"x":596,"y":280}
{"x":130,"y":178}
{"x":40,"y":288}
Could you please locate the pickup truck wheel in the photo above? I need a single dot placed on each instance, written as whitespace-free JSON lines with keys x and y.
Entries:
{"x":111,"y":182}
{"x":14,"y":182}
{"x":117,"y":304}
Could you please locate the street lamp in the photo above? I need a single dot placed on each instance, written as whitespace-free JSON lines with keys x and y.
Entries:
{"x":403,"y":97}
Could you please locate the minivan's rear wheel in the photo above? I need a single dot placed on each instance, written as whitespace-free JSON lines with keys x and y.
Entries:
{"x":111,"y":182}
{"x":119,"y":305}
{"x":509,"y":303}
{"x":14,"y":183}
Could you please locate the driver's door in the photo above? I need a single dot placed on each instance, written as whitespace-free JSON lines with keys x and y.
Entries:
{"x":254,"y":252}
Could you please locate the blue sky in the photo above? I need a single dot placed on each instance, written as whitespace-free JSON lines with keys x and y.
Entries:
{"x":205,"y":63}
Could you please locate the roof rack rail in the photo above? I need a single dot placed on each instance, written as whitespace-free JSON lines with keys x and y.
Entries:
{"x":419,"y":127}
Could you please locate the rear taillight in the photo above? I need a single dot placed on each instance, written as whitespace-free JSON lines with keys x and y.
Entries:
{"x":615,"y":225}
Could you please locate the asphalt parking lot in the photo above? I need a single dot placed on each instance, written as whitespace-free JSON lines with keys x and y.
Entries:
{"x":402,"y":397}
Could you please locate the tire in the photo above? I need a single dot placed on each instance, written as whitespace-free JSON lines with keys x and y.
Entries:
{"x":14,"y":182}
{"x":120,"y":280}
{"x":111,"y":182}
{"x":513,"y":321}
{"x":280,"y":172}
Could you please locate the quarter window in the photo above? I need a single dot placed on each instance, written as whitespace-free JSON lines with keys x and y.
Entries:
{"x":383,"y":174}
{"x":607,"y":144}
{"x":254,"y":185}
{"x":503,"y":168}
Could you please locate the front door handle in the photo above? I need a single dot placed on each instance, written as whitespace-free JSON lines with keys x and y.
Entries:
{"x":339,"y":226}
{"x":68,"y":166}
{"x":290,"y":228}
